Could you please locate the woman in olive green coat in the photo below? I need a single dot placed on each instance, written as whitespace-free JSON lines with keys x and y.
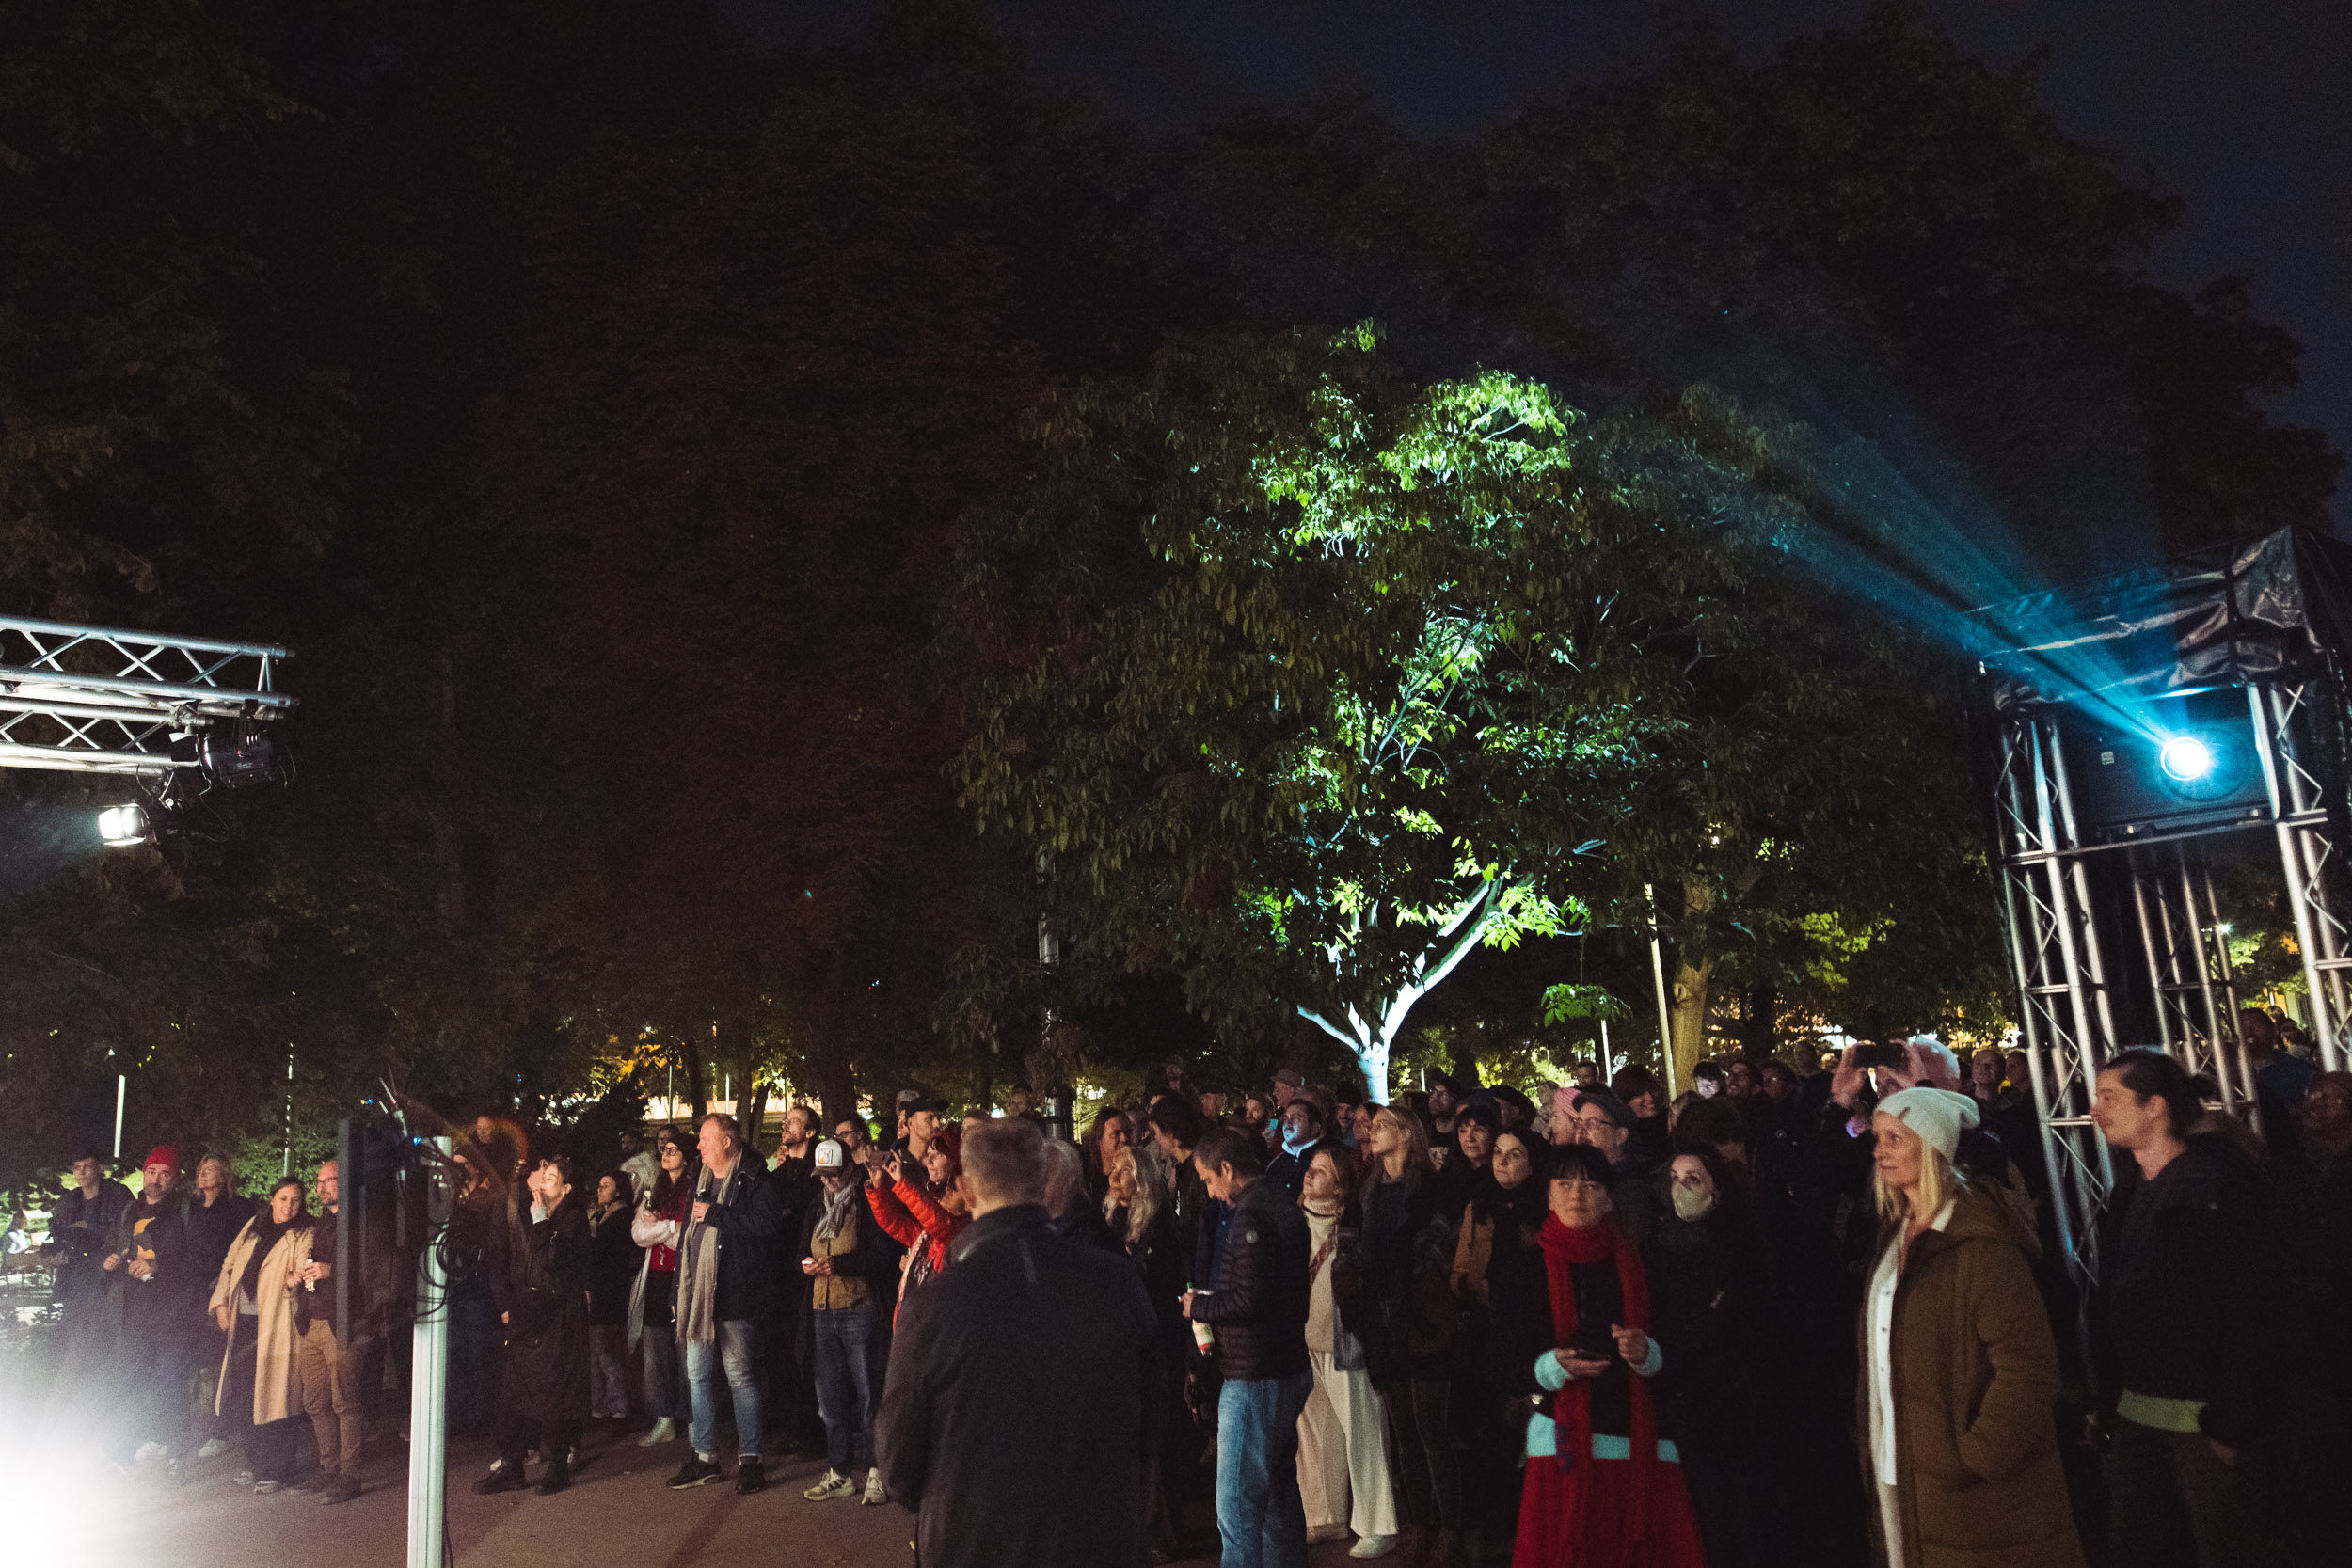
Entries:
{"x":1958,"y":1369}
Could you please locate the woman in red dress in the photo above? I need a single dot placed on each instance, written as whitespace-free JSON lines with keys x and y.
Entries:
{"x":1571,"y":1327}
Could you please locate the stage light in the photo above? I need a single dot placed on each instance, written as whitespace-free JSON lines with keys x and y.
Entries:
{"x":2185,"y":759}
{"x":122,"y":826}
{"x":245,"y":756}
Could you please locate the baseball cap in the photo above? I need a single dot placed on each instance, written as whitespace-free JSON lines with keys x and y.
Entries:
{"x":831,"y":1155}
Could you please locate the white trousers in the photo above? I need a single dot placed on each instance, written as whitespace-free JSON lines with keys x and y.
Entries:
{"x":1343,"y":1461}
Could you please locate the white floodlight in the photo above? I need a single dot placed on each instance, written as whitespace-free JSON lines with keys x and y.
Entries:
{"x":122,"y":826}
{"x":2185,"y":759}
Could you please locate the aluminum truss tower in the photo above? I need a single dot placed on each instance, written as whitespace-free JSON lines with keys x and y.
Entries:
{"x":2060,"y":918}
{"x":101,"y":700}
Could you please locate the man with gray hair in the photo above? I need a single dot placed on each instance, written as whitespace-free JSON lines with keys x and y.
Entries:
{"x":1026,"y":1389}
{"x":1070,"y":1214}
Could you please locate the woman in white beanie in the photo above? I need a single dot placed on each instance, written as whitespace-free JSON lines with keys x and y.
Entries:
{"x":1959,"y":1371}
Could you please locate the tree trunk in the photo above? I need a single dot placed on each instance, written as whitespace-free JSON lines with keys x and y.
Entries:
{"x":1757,"y":1023}
{"x":1689,"y":1016}
{"x":836,"y":1093}
{"x":1693,"y":965}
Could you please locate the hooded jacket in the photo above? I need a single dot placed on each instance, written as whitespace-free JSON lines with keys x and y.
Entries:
{"x":1976,"y":1373}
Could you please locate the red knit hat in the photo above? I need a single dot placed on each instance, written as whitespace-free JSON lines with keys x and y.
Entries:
{"x":162,"y":1154}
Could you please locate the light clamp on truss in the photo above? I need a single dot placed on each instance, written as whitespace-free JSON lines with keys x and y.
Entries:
{"x":82,"y":699}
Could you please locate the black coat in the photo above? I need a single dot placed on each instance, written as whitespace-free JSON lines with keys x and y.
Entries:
{"x":749,"y":1229}
{"x":1404,"y":1310}
{"x":82,"y":1229}
{"x":2193,"y":1301}
{"x":1257,"y":1300}
{"x":1027,"y":1392}
{"x":214,"y":1231}
{"x":613,"y":1259}
{"x":538,"y":1278}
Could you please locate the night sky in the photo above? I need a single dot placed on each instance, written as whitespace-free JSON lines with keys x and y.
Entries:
{"x":2242,"y":110}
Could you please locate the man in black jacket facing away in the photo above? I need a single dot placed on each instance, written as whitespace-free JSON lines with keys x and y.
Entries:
{"x":2195,"y":1351}
{"x":1256,"y":1306}
{"x":1025,"y":1384}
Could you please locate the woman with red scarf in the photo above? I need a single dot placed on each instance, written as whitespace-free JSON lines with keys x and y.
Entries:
{"x":1571,"y":1329}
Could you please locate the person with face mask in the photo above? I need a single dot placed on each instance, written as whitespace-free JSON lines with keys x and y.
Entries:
{"x":1711,"y":1277}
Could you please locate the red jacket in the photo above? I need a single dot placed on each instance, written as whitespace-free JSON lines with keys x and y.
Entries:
{"x":909,"y":1216}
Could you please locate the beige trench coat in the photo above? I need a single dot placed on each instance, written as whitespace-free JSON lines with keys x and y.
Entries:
{"x":273,"y":1350}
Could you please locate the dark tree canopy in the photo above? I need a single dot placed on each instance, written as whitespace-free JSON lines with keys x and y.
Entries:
{"x":613,"y":408}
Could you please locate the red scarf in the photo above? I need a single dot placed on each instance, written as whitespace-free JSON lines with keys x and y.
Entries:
{"x":1571,"y":1407}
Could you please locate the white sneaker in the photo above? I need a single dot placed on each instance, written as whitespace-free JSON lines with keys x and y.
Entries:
{"x":665,"y":1430}
{"x":213,"y":1447}
{"x":875,"y":1497}
{"x":1374,"y":1545}
{"x":835,"y":1485}
{"x":147,"y":1450}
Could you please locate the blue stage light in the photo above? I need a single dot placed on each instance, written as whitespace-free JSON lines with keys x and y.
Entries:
{"x":2185,"y":759}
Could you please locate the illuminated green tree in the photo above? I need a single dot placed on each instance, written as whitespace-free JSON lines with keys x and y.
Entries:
{"x":1306,"y":681}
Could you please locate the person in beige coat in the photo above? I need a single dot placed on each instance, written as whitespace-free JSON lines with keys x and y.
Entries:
{"x":262,"y":1307}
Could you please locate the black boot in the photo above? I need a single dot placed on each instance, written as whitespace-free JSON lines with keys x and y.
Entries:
{"x":506,"y":1478}
{"x":557,"y":1476}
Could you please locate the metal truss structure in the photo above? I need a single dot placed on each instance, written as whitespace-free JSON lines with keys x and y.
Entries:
{"x":2063,"y":912}
{"x":101,"y":700}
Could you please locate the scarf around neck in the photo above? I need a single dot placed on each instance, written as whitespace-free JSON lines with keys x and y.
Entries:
{"x":837,"y":1209}
{"x":1323,"y":1233}
{"x":1571,"y":1406}
{"x":698,"y":1262}
{"x":267,"y":1234}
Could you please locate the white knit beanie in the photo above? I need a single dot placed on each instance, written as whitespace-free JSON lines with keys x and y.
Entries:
{"x":1938,"y":1116}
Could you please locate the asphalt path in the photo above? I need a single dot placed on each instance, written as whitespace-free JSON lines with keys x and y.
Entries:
{"x":619,"y":1513}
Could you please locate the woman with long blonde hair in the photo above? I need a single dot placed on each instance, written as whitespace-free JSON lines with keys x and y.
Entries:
{"x":1958,"y":1369}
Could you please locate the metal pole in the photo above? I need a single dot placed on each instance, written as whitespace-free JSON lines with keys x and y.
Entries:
{"x":2269,"y":746}
{"x":2194,"y":923}
{"x":2229,"y":1049}
{"x":122,"y":1090}
{"x":2156,"y":967}
{"x":289,"y":1165}
{"x":428,"y":1382}
{"x":1665,"y":1013}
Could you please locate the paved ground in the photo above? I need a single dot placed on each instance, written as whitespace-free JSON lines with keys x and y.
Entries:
{"x":617,"y":1515}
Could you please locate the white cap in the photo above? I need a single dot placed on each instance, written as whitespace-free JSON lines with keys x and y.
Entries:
{"x":1938,"y":1116}
{"x":831,"y":1155}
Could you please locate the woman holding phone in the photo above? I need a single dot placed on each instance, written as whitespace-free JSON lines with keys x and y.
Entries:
{"x":1572,"y":1317}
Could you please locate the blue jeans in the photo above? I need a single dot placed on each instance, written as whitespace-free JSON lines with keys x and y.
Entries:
{"x":1258,"y":1512}
{"x":732,"y":1349}
{"x":848,"y":1393}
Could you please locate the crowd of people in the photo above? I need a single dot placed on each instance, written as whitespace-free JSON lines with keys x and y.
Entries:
{"x":206,"y":1321}
{"x":1803,"y":1312}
